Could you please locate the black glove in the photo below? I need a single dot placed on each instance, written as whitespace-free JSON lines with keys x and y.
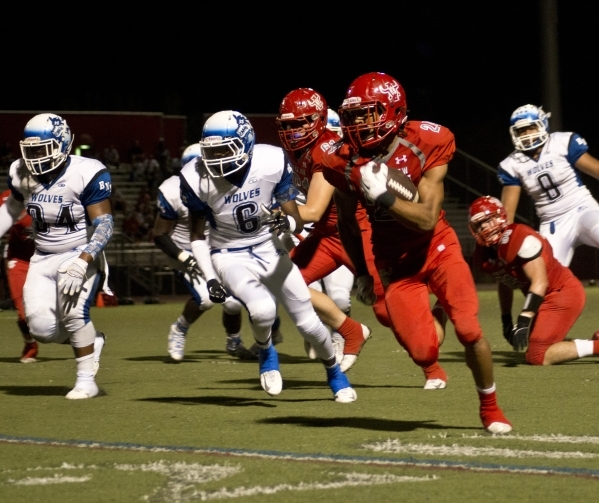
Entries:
{"x":217,"y":293}
{"x":508,"y":325}
{"x":520,"y":333}
{"x":277,"y":221}
{"x":191,"y":267}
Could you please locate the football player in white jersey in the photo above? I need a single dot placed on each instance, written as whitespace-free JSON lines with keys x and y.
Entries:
{"x":67,"y":197}
{"x":548,"y":165}
{"x":232,"y":188}
{"x":171,"y":235}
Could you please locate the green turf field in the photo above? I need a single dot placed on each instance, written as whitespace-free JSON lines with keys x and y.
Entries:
{"x":204,"y":429}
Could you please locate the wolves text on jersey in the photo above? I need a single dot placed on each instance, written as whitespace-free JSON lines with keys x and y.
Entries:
{"x":242,"y":196}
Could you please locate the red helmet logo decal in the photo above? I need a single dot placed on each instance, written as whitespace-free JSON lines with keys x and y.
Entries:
{"x":391,"y":89}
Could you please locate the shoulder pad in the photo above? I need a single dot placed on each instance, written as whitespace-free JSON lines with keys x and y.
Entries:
{"x":531,"y":248}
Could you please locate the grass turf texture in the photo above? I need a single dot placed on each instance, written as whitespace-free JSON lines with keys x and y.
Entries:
{"x":204,"y":429}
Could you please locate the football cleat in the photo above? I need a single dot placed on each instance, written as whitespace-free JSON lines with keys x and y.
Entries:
{"x":491,"y":415}
{"x":29,"y":354}
{"x":436,"y":377}
{"x":99,"y":343}
{"x":88,"y":389}
{"x":236,"y":348}
{"x":270,"y":377}
{"x":342,"y":390}
{"x":176,"y":342}
{"x":353,"y":348}
{"x":271,"y":382}
{"x":435,"y":384}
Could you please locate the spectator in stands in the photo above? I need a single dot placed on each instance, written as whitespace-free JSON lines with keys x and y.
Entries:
{"x":163,"y":156}
{"x":111,"y":157}
{"x":117,"y":200}
{"x":135,"y":152}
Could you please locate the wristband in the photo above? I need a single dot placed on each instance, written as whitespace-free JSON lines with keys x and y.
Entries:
{"x":183,"y":256}
{"x":532,"y":302}
{"x":292,"y":224}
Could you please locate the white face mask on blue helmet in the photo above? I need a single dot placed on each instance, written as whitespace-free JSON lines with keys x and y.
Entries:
{"x":333,"y":122}
{"x":191,"y":152}
{"x":227,"y":143}
{"x":527,"y":116}
{"x":46,"y":144}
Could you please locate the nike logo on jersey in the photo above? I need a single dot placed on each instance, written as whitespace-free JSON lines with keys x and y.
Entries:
{"x":242,"y":196}
{"x":45,"y":198}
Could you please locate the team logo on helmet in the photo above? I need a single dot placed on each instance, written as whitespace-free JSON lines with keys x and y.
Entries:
{"x":243,"y":125}
{"x":316,"y":102}
{"x":391,"y":89}
{"x":59,"y":128}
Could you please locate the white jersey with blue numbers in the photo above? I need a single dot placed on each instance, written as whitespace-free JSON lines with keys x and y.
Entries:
{"x":234,"y":212}
{"x":552,"y":181}
{"x":171,"y":207}
{"x":58,"y":210}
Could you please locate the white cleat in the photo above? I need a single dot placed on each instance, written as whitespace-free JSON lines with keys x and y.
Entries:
{"x":80,"y":392}
{"x":176,"y":343}
{"x":99,"y":342}
{"x":499,"y":428}
{"x":349,"y":360}
{"x":271,"y":382}
{"x":435,"y":384}
{"x":346,"y":395}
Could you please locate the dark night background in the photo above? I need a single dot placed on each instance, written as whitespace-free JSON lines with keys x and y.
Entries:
{"x":464,"y":67}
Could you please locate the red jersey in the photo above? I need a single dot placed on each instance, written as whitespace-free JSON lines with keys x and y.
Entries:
{"x":506,"y":266}
{"x":20,"y":236}
{"x":310,"y":162}
{"x":424,"y":146}
{"x":304,"y":167}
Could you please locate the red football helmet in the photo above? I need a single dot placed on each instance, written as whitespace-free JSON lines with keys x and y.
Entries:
{"x":373,"y":109}
{"x":487,"y":220}
{"x":302,"y":118}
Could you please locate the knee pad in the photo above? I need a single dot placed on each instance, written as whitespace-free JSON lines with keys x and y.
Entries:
{"x":83,"y":337}
{"x":232,"y":306}
{"x":262,"y":313}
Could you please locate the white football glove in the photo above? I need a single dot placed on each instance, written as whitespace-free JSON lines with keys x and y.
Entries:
{"x":73,"y":276}
{"x":373,"y":184}
{"x":365,"y":290}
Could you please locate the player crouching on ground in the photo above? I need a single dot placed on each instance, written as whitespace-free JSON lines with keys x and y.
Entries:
{"x":520,"y":258}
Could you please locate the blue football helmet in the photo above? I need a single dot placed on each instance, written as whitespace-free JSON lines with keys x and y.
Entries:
{"x":47,"y":143}
{"x":333,"y":122}
{"x":227,"y":143}
{"x":191,"y":152}
{"x":526,"y":116}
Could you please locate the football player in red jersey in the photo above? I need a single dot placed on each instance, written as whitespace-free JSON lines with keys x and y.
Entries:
{"x":414,"y":247}
{"x":304,"y":135}
{"x":520,"y":258}
{"x":19,"y":249}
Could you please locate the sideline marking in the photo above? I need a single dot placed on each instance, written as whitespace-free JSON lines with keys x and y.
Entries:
{"x":562,"y":439}
{"x":340,"y":459}
{"x":397,"y":447}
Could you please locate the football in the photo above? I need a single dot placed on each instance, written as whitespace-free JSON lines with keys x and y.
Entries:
{"x":400,"y":185}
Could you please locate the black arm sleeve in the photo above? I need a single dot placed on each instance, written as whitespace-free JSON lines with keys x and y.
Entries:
{"x":166,"y":244}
